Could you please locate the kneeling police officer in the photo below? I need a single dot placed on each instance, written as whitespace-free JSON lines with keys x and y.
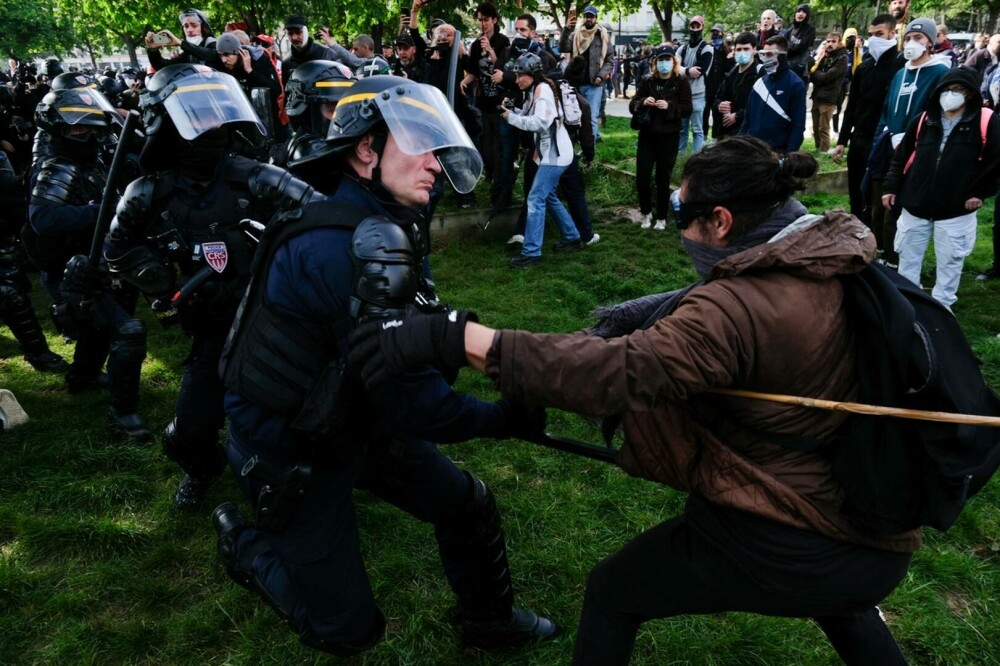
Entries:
{"x":359,"y":254}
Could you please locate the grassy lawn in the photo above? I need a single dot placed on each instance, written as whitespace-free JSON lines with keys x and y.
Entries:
{"x":96,"y":566}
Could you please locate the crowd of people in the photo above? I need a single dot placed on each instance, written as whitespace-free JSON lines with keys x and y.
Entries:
{"x":273,"y":206}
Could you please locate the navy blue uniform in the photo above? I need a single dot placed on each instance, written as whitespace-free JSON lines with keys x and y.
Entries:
{"x":313,"y":570}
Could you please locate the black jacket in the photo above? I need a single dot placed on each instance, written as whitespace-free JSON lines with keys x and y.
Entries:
{"x":940,"y":181}
{"x":869,"y":87}
{"x":736,"y":88}
{"x":676,"y":90}
{"x":313,"y":51}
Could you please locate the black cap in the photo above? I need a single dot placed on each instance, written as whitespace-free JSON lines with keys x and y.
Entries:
{"x":404,"y":39}
{"x":663,"y":51}
{"x":295,"y":21}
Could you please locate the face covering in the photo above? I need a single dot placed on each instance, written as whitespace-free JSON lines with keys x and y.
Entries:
{"x":695,"y":36}
{"x":951,"y":100}
{"x":743,"y":58}
{"x":850,"y":43}
{"x":770,"y":63}
{"x":520,"y":43}
{"x":192,"y":40}
{"x":913,"y":50}
{"x":877,"y":46}
{"x":716,"y":41}
{"x":665,"y":66}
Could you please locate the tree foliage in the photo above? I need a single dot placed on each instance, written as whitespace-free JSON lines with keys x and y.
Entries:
{"x":28,"y":30}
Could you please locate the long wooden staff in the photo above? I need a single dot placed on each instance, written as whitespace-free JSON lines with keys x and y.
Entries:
{"x":861,"y":408}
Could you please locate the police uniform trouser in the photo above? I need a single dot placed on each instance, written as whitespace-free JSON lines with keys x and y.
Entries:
{"x":199,"y":413}
{"x":713,"y":560}
{"x":314,"y":572}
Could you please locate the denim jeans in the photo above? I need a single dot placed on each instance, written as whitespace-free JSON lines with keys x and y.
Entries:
{"x":543,"y":196}
{"x":694,"y":121}
{"x":594,"y":95}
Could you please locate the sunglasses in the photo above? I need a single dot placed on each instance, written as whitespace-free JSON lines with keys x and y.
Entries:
{"x":687,"y":212}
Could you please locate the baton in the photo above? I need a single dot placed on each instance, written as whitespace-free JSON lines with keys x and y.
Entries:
{"x":575,"y":446}
{"x":104,"y":214}
{"x":453,"y":66}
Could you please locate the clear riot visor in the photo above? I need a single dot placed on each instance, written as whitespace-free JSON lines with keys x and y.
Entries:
{"x":207,"y":100}
{"x":421,"y":120}
{"x":99,"y":100}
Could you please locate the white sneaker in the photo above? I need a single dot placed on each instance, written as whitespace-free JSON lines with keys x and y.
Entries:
{"x":595,"y":239}
{"x":646,"y":220}
{"x":516,"y":239}
{"x":661,"y":225}
{"x":11,"y":412}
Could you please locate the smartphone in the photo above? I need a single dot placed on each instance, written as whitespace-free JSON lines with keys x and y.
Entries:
{"x":160,"y":39}
{"x":572,"y":14}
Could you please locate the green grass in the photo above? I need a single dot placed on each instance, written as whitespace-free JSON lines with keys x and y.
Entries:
{"x":96,"y":567}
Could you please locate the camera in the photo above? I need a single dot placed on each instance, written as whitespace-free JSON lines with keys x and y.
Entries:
{"x":508,"y":104}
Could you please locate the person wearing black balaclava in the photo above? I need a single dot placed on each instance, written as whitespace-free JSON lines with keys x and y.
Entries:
{"x":801,"y":36}
{"x":177,"y":237}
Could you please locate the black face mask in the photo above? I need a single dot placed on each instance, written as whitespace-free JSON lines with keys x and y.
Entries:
{"x":696,"y":36}
{"x":198,"y":158}
{"x":520,"y":44}
{"x":850,"y":43}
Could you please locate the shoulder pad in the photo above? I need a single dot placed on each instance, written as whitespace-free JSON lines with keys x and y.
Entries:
{"x":137,"y":201}
{"x":380,"y":239}
{"x":276,"y":185}
{"x":55,"y":181}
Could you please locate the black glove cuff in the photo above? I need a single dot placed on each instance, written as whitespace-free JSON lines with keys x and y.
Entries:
{"x":453,"y":341}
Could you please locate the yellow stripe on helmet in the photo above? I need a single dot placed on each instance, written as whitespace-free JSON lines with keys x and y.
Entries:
{"x":201,"y":86}
{"x":334,"y":84}
{"x":420,"y":105}
{"x":81,"y":109}
{"x":353,"y":99}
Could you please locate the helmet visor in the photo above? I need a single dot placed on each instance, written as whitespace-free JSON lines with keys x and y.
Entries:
{"x":421,"y":120}
{"x":87,"y":107}
{"x":206,"y":100}
{"x":101,"y":102}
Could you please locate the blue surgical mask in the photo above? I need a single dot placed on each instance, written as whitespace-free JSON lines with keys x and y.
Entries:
{"x":743,"y":58}
{"x":664,"y":67}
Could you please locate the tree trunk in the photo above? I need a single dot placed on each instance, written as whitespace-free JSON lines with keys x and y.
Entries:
{"x":130,"y":46}
{"x":991,"y":22}
{"x":665,"y":18}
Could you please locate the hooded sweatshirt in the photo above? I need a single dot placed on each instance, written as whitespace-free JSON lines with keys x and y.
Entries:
{"x":950,"y":162}
{"x":909,"y":91}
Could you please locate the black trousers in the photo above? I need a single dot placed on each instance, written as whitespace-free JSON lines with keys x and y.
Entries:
{"x":857,"y":165}
{"x":659,"y":150}
{"x":711,"y":560}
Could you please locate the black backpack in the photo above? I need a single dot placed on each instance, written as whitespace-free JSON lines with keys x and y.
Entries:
{"x":899,"y":474}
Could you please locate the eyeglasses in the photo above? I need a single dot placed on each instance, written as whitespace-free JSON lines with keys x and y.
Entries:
{"x":687,"y":212}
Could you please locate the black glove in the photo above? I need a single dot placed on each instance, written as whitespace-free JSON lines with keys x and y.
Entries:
{"x":525,"y":422}
{"x":84,"y":277}
{"x":383,"y":348}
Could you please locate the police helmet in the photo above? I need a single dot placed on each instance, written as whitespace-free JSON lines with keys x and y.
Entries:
{"x":60,"y":110}
{"x":71,"y":80}
{"x":316,"y":82}
{"x":528,"y":63}
{"x":304,"y":149}
{"x":196,"y":99}
{"x":419,"y":118}
{"x":374,"y":66}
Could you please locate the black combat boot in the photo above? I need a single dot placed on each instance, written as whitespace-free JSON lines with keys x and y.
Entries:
{"x":128,"y":350}
{"x":23,"y":323}
{"x":474,"y":551}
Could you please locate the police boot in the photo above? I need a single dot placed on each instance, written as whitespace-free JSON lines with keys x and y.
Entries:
{"x":473,"y":548}
{"x":23,"y":323}
{"x":128,"y":350}
{"x":229,"y":524}
{"x":202,"y":465}
{"x":78,"y":383}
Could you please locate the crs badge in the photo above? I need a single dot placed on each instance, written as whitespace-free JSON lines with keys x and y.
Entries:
{"x":216,"y":255}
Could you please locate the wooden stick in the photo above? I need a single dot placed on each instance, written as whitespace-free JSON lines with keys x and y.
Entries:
{"x":860,"y":408}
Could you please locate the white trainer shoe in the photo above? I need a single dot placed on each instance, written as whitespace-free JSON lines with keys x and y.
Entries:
{"x":595,"y":239}
{"x":516,"y":239}
{"x":646,"y":221}
{"x":661,"y":225}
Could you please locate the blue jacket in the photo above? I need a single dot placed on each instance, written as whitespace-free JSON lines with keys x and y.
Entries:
{"x":784,"y":90}
{"x":310,"y":280}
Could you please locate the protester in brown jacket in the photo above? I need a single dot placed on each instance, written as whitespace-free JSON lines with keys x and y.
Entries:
{"x":761,"y":531}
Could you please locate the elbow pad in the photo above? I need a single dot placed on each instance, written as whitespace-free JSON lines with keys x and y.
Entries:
{"x":276,"y":185}
{"x":385,"y":268}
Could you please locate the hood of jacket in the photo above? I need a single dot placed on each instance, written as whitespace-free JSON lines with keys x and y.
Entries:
{"x":936,"y":59}
{"x":966,"y":76}
{"x":811,"y":246}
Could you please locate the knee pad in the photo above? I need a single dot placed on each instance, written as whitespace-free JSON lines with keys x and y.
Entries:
{"x":346,"y":648}
{"x":203,"y":459}
{"x":11,"y":300}
{"x":129,"y":342}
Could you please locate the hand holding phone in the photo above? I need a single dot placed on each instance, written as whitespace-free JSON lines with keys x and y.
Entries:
{"x":158,"y":39}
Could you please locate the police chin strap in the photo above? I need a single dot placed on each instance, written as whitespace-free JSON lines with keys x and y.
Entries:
{"x":378,"y":147}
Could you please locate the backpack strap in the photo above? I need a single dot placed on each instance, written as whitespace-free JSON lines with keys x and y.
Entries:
{"x":913,"y":155}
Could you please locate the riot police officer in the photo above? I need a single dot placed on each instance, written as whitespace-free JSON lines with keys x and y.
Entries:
{"x":15,"y":305}
{"x":176,"y":237}
{"x":62,"y":212}
{"x":304,"y":434}
{"x":311,"y":96}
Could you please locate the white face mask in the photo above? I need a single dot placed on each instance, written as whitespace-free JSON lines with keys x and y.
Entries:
{"x":951,"y":100}
{"x":877,"y":46}
{"x":192,"y":40}
{"x":913,"y":50}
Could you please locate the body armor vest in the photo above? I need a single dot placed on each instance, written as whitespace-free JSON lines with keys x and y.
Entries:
{"x":276,"y":364}
{"x":62,"y":182}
